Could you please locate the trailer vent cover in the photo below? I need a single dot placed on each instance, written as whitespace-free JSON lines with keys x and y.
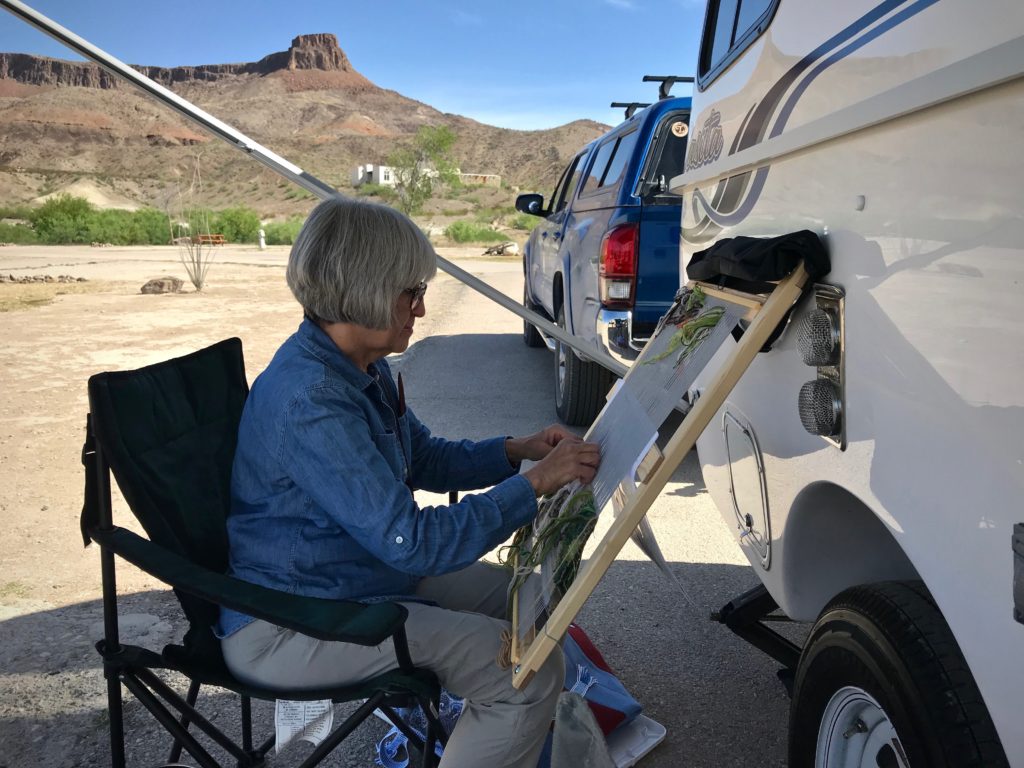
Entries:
{"x":818,"y":339}
{"x":820,"y":409}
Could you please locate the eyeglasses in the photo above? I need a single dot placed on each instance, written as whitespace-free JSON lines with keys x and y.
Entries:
{"x":415,"y":295}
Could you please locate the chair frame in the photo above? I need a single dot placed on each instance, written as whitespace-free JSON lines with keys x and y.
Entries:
{"x":132,"y":666}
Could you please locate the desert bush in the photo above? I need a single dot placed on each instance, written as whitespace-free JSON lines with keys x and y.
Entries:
{"x":283,"y":232}
{"x":471,"y":232}
{"x":238,"y":225}
{"x":63,"y":219}
{"x":151,"y":227}
{"x":17,"y":233}
{"x":496,"y":212}
{"x":386,"y":194}
{"x":523,"y":222}
{"x":15,"y":212}
{"x":146,"y":226}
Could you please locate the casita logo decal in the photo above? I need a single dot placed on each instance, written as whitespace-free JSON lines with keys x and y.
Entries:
{"x":708,"y":146}
{"x":734,"y":197}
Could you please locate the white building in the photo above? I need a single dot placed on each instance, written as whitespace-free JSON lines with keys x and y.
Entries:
{"x":373,"y":174}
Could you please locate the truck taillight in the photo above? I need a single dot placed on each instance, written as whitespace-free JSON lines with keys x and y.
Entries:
{"x":617,"y":273}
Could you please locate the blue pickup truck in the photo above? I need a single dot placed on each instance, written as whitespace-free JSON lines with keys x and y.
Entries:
{"x":604,"y":262}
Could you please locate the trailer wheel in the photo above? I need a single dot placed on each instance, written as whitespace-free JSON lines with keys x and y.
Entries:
{"x":531,"y":336}
{"x":580,"y":385}
{"x":882,"y":683}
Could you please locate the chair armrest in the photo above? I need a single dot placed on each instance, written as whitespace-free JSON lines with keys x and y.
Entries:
{"x":324,"y":619}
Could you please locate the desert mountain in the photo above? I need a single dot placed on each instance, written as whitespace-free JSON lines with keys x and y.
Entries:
{"x":65,"y":121}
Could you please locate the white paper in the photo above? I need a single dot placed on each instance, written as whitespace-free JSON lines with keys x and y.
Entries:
{"x":307,"y":720}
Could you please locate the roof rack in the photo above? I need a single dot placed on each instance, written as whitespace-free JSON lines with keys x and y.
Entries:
{"x":629,"y":106}
{"x":666,"y":81}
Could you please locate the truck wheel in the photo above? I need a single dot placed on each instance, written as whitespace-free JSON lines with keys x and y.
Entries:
{"x":531,"y":336}
{"x":580,"y":385}
{"x":882,"y":683}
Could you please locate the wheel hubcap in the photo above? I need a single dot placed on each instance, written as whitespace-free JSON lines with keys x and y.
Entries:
{"x":856,"y":732}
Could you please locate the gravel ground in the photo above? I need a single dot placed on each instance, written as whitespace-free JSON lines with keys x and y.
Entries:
{"x":468,"y":374}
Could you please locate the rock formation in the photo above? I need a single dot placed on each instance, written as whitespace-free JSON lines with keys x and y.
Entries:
{"x":307,"y":52}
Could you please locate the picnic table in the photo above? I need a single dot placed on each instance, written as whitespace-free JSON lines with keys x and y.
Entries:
{"x":209,"y":240}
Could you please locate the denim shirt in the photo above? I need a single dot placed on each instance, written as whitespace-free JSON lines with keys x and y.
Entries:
{"x":320,"y":488}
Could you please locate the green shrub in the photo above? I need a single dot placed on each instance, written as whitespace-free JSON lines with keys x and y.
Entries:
{"x":151,"y":227}
{"x":17,"y":233}
{"x":15,"y":212}
{"x":497,"y":212}
{"x":471,"y":232}
{"x":387,"y":194}
{"x":146,"y":226}
{"x":524,"y":222}
{"x":63,"y":219}
{"x":283,"y":232}
{"x":238,"y":225}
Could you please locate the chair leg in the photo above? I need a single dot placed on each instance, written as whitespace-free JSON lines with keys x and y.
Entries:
{"x":431,"y":709}
{"x":100,"y":486}
{"x":115,"y":711}
{"x":343,"y":730}
{"x":193,"y":694}
{"x":167,"y":720}
{"x":246,"y":724}
{"x":169,"y":695}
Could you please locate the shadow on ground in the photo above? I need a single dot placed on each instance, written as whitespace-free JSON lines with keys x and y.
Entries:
{"x":718,"y":698}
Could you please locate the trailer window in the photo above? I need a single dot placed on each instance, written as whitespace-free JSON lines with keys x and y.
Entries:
{"x":730,"y":26}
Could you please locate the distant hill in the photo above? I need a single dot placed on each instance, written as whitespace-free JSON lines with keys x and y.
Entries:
{"x":65,"y":122}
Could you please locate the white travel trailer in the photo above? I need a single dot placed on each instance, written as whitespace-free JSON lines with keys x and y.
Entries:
{"x":872,"y":462}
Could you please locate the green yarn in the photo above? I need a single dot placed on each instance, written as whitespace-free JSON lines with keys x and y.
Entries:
{"x":569,"y":518}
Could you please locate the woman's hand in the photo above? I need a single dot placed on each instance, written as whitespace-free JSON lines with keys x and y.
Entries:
{"x":571,"y":459}
{"x":537,"y":446}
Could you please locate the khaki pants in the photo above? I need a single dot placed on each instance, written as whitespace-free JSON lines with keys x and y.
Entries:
{"x":459,"y":638}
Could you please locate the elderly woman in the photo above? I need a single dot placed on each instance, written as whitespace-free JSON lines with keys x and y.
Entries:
{"x":322,"y":493}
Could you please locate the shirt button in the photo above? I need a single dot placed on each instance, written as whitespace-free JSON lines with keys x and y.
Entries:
{"x":399,"y":539}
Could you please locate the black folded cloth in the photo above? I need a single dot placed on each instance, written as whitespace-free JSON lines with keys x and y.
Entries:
{"x":758,"y":260}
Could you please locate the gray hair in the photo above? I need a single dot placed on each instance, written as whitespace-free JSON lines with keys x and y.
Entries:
{"x":352,"y":259}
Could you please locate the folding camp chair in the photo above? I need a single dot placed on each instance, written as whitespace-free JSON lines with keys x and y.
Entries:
{"x":168,"y":432}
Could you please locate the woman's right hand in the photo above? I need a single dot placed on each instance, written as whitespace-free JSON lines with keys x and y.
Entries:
{"x":571,"y":459}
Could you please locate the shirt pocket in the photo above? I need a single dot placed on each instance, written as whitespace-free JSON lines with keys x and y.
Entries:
{"x":390,"y":448}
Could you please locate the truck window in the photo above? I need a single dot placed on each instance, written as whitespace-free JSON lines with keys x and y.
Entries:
{"x":623,"y":152}
{"x":554,"y":202}
{"x":575,"y":170}
{"x":599,"y":166}
{"x":566,"y":184}
{"x":669,"y":153}
{"x":729,"y":27}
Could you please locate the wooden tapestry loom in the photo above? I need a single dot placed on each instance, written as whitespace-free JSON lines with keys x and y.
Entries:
{"x":531,"y":645}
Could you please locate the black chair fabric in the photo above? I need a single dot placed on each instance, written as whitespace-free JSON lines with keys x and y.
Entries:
{"x":168,"y":433}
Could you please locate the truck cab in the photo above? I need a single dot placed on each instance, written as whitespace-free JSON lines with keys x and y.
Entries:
{"x":604,"y":261}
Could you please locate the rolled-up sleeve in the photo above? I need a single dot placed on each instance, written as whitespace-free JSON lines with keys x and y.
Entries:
{"x":455,"y":465}
{"x":328,"y":448}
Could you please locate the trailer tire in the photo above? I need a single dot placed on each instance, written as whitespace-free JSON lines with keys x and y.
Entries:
{"x":580,"y":385}
{"x":881,"y":662}
{"x":531,"y":336}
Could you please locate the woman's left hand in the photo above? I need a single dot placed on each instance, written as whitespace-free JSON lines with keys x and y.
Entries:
{"x":535,"y":447}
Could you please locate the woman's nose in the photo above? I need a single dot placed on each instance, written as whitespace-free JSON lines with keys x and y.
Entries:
{"x":420,"y":309}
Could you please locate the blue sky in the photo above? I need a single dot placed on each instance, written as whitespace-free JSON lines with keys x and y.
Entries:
{"x":528,"y":64}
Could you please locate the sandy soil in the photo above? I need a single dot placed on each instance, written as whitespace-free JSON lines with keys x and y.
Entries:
{"x":718,"y":699}
{"x":51,"y":689}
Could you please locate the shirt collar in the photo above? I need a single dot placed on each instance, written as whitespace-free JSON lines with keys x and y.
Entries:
{"x":313,"y":338}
